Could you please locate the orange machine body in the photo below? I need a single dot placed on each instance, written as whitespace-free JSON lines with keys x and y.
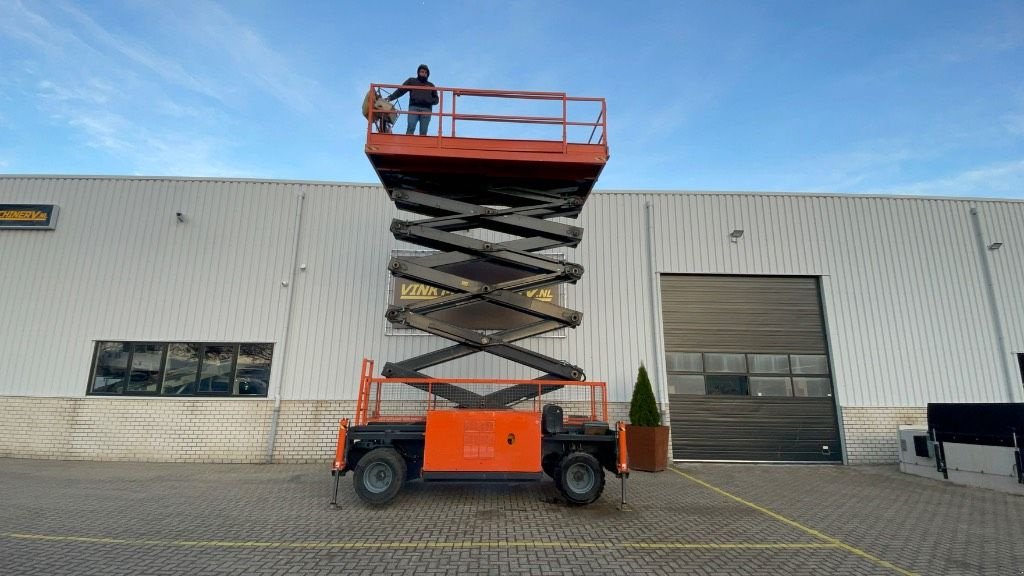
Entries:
{"x":482,"y":441}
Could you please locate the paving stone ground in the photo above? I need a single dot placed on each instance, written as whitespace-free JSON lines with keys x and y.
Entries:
{"x":203,"y":519}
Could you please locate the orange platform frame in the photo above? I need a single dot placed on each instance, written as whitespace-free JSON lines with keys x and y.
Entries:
{"x":444,"y":160}
{"x":371,"y":407}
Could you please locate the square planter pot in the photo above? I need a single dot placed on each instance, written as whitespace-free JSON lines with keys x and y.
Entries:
{"x":647,"y":447}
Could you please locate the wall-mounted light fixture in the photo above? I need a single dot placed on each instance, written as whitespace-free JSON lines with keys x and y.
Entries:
{"x":995,"y":246}
{"x":180,"y":216}
{"x":736,"y":234}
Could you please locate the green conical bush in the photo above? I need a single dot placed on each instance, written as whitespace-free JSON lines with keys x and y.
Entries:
{"x":643,"y":409}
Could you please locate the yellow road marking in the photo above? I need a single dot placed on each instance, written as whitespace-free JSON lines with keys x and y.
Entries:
{"x":456,"y":544}
{"x":833,"y":541}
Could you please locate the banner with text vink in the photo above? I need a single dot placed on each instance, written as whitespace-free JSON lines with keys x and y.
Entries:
{"x":481,"y":315}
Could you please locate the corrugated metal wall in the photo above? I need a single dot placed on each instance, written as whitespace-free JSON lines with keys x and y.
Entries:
{"x":901,"y":281}
{"x":902,"y":287}
{"x":120,"y":266}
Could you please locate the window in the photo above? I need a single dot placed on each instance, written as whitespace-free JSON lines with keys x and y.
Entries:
{"x":770,"y":386}
{"x":759,"y":375}
{"x":685,"y":362}
{"x":812,"y":386}
{"x":769,"y":363}
{"x":147,"y":368}
{"x":730,"y":385}
{"x":685,"y":384}
{"x":181,"y":369}
{"x":1020,"y":360}
{"x":807,"y":364}
{"x":725,"y":363}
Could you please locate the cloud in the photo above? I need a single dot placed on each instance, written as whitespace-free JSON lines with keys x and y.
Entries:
{"x":1005,"y":180}
{"x":149,"y":150}
{"x":20,"y":23}
{"x":162,"y":95}
{"x":221,"y":59}
{"x":136,"y":53}
{"x":93,"y":91}
{"x":252,"y":57}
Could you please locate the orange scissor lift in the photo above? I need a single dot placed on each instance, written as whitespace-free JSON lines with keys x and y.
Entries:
{"x":496,"y":169}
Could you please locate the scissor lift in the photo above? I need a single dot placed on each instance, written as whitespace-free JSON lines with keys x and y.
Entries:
{"x":485,"y":198}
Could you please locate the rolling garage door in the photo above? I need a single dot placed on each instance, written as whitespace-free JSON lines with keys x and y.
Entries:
{"x":748,"y":369}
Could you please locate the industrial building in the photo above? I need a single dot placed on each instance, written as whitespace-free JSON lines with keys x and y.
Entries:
{"x":224,"y":320}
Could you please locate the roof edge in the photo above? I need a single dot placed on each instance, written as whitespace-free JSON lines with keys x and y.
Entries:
{"x":841,"y":195}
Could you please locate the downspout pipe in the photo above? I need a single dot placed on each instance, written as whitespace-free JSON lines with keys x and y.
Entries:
{"x":288,"y":284}
{"x":660,"y":381}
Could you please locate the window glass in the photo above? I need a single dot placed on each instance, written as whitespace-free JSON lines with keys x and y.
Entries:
{"x":111,"y":369}
{"x":182,"y":369}
{"x":807,"y":364}
{"x":769,"y":363}
{"x":812,"y":387}
{"x":217,"y":363}
{"x":252,"y":372}
{"x":147,"y":367}
{"x":770,"y":386}
{"x":727,"y":385}
{"x":736,"y":363}
{"x":684,"y":362}
{"x":685,"y":384}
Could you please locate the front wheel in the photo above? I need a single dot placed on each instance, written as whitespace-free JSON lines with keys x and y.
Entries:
{"x":580,"y":478}
{"x":379,"y":475}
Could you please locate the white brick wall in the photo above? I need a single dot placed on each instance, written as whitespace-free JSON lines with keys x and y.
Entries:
{"x":176,"y":430}
{"x":871,"y":432}
{"x":164,"y":430}
{"x":235,"y":430}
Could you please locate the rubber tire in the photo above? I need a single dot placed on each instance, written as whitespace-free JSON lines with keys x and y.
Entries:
{"x":580,"y":498}
{"x":388,"y":457}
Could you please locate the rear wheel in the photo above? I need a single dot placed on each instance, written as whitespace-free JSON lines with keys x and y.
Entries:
{"x":580,"y":478}
{"x":379,"y":475}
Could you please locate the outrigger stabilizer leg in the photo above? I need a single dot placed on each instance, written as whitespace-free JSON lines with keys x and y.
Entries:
{"x":337,"y":480}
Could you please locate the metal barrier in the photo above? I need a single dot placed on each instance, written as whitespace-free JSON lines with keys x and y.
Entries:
{"x":397,"y":400}
{"x":449,"y":117}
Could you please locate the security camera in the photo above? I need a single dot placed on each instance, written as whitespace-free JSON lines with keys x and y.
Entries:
{"x":180,"y":216}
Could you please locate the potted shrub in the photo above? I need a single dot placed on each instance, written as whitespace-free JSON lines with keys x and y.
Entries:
{"x":646,"y":438}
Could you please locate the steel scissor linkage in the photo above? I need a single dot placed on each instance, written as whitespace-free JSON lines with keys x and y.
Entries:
{"x":529,"y":218}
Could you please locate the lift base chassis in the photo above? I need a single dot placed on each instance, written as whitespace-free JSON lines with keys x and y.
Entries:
{"x":481,"y":445}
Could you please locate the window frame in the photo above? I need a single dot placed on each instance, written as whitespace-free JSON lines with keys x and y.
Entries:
{"x":790,"y":375}
{"x":122,"y":391}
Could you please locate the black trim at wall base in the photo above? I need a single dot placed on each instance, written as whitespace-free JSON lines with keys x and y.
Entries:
{"x":778,"y":429}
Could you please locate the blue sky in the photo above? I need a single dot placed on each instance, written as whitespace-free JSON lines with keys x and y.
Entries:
{"x":921,"y":97}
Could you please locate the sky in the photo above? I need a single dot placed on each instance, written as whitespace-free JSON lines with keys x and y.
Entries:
{"x":874,"y":97}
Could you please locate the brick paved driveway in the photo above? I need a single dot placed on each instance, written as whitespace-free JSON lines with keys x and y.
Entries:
{"x":122,"y":518}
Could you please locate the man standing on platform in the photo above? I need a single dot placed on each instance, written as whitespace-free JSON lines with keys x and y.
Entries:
{"x":419,"y":100}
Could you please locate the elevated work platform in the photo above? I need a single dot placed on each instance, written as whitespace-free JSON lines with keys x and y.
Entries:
{"x":491,"y":161}
{"x":484,"y":146}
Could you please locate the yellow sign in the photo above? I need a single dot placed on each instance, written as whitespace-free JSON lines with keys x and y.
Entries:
{"x":28,"y":216}
{"x":412,"y":291}
{"x":23,"y":215}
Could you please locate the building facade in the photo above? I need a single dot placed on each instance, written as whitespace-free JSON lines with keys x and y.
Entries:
{"x":220,"y":320}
